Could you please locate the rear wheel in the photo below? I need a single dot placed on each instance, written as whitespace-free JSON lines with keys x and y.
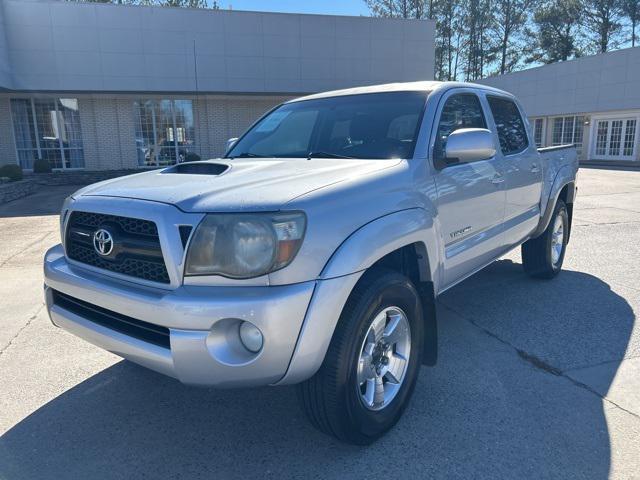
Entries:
{"x":371,"y":366}
{"x":542,"y":257}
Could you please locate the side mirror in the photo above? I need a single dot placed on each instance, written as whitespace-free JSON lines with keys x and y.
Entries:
{"x":468,"y":145}
{"x":231,"y":142}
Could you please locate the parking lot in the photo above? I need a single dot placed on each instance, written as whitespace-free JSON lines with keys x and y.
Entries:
{"x":535,"y":378}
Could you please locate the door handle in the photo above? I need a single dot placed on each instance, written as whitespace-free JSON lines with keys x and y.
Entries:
{"x":497,"y":179}
{"x":534,"y":168}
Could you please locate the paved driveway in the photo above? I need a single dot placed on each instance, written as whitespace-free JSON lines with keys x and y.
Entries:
{"x":535,"y":379}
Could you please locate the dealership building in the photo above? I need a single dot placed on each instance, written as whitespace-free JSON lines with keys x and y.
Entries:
{"x":90,"y":86}
{"x":99,"y":87}
{"x":593,"y":102}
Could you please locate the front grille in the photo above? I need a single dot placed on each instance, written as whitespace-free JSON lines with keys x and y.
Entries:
{"x":136,"y":245}
{"x":144,"y":331}
{"x":134,"y":226}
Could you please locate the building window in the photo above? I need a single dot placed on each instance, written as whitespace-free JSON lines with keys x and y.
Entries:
{"x":538,"y":132}
{"x":601,"y":137}
{"x":48,"y":128}
{"x":615,"y":139}
{"x":629,"y":138}
{"x":568,"y":130}
{"x":165,"y":131}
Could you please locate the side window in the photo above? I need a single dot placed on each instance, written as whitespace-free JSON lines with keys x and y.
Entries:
{"x":511,"y":130}
{"x":462,"y":110}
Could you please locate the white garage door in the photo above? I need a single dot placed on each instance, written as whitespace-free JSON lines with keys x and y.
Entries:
{"x":615,"y":139}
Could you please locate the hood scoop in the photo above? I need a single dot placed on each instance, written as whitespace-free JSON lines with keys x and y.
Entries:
{"x":202,"y":168}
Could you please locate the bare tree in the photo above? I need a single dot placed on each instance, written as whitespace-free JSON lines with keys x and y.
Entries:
{"x":389,"y":8}
{"x":184,"y":3}
{"x":213,"y":4}
{"x":602,"y":19}
{"x":401,"y":8}
{"x":631,"y":10}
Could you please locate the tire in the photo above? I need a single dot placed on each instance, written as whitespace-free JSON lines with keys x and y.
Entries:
{"x":538,"y":256}
{"x":334,"y":398}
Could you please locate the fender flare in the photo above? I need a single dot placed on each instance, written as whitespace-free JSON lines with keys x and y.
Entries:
{"x":562,"y":179}
{"x":385,"y":235}
{"x":371,"y":242}
{"x":358,"y":252}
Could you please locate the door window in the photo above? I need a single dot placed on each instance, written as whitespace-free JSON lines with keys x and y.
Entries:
{"x":511,"y":131}
{"x":462,"y":110}
{"x":615,"y":139}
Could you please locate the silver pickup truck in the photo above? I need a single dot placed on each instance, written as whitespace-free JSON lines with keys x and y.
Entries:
{"x":313,"y":252}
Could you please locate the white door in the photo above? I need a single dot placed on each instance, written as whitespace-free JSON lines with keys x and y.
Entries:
{"x":615,"y":139}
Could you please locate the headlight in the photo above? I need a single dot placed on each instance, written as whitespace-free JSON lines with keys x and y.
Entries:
{"x":244,"y":245}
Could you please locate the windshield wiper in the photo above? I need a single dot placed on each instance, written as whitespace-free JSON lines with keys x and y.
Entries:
{"x":247,"y":155}
{"x":321,"y":154}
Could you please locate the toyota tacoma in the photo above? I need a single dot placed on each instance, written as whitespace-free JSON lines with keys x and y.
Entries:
{"x":313,"y":252}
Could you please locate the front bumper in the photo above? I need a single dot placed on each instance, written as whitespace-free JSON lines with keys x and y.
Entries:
{"x":202,"y":323}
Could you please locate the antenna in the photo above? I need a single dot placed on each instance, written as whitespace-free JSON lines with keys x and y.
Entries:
{"x":195,"y":73}
{"x":195,"y":65}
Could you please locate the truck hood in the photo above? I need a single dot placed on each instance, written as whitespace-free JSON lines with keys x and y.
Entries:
{"x":244,"y":185}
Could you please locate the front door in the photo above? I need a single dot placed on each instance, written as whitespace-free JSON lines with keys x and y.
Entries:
{"x":471,"y":196}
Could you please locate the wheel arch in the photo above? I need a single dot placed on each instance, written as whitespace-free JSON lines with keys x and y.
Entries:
{"x":403,"y":241}
{"x":406,"y":242}
{"x":406,"y":237}
{"x":562,"y":189}
{"x":412,"y":261}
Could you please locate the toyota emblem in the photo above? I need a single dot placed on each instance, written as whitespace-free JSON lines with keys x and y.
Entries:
{"x":103,"y":242}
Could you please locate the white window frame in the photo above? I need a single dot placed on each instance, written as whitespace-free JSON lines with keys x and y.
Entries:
{"x":543,"y":138}
{"x":37,"y":134}
{"x":613,"y":116}
{"x":575,"y":117}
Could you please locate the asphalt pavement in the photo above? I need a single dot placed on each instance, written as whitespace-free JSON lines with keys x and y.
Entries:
{"x":535,"y":378}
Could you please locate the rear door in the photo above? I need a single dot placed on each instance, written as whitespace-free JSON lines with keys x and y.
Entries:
{"x":470,"y":196}
{"x":522,"y":169}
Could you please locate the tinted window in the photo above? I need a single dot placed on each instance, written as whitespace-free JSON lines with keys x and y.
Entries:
{"x":460,"y":111}
{"x":377,"y":125}
{"x":511,"y":131}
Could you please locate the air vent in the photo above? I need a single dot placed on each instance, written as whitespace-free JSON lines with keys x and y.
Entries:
{"x":185,"y":232}
{"x":201,"y":168}
{"x":147,"y":332}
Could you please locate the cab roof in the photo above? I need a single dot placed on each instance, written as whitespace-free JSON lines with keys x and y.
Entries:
{"x":423,"y":86}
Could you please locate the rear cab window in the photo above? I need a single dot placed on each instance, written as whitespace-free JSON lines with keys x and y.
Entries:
{"x":511,"y":131}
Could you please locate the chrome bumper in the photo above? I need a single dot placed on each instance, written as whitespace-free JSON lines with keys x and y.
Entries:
{"x":200,"y":321}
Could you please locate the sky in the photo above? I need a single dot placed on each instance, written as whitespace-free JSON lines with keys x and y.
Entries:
{"x":330,"y":7}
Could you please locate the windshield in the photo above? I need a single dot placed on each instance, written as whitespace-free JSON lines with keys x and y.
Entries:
{"x":371,"y":126}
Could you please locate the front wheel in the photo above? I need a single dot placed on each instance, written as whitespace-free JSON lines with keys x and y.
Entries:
{"x":542,"y":257}
{"x":371,"y":366}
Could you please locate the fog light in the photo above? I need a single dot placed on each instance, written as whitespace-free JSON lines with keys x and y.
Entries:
{"x":251,"y":337}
